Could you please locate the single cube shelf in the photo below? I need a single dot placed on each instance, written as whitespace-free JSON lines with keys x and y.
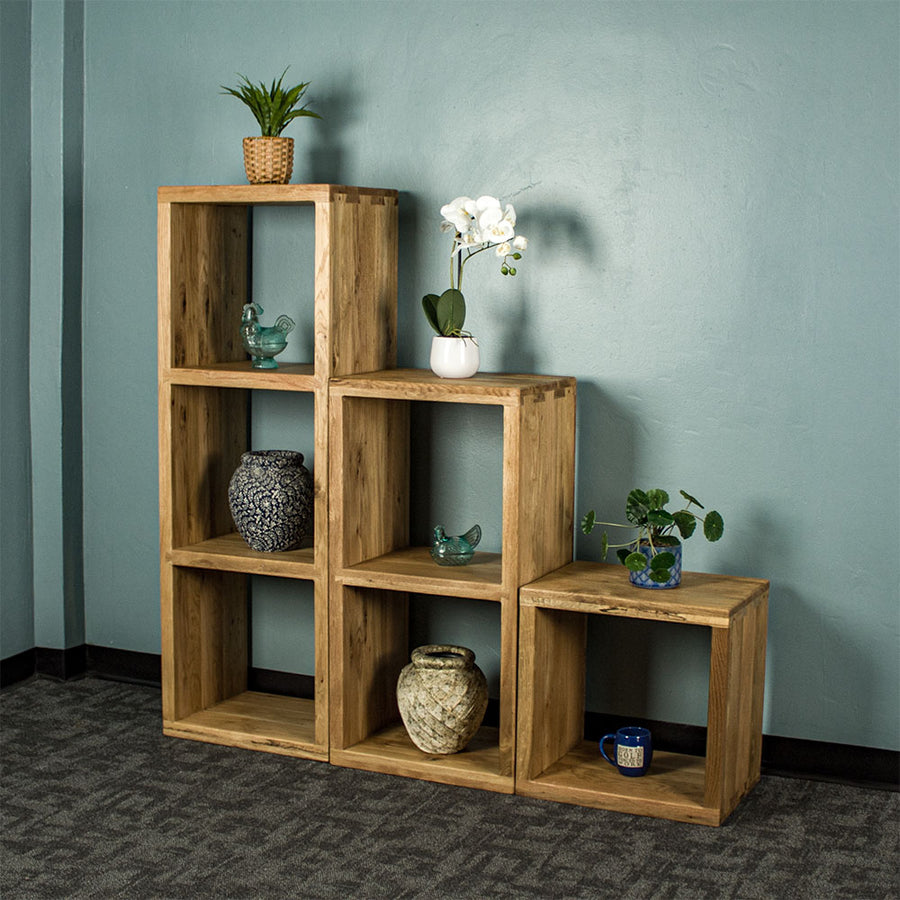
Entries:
{"x":554,"y":762}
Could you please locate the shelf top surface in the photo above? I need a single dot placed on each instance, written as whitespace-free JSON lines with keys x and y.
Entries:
{"x":422,"y":384}
{"x":701,"y":598}
{"x":288,"y":376}
{"x":268,"y":193}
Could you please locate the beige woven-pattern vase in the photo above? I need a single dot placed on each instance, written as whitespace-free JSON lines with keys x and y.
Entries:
{"x":268,"y":160}
{"x":442,"y":697}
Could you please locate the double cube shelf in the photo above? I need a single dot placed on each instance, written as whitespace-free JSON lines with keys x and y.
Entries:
{"x":360,"y":560}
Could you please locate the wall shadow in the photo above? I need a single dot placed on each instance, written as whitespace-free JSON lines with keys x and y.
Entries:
{"x":327,"y":155}
{"x":562,"y":233}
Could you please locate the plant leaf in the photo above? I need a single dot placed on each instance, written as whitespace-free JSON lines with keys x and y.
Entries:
{"x":657,"y":498}
{"x":686,"y":523}
{"x":659,"y":518}
{"x":635,"y":562}
{"x":623,"y":553}
{"x":451,"y":312}
{"x":429,"y":304}
{"x":604,"y":545}
{"x":636,"y":507}
{"x":691,"y":499}
{"x":660,"y":576}
{"x":713,"y":526}
{"x":272,"y":106}
{"x":664,"y":560}
{"x":587,"y":523}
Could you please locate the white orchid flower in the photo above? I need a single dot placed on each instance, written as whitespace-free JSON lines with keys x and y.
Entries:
{"x":486,"y":202}
{"x":456,"y":212}
{"x":520,"y":242}
{"x":503,"y":249}
{"x":510,"y":214}
{"x":499,"y":232}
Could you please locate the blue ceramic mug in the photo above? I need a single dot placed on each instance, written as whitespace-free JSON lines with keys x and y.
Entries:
{"x":633,"y":750}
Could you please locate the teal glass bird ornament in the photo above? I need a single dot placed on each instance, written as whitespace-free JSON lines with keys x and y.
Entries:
{"x":263,"y":342}
{"x":454,"y":551}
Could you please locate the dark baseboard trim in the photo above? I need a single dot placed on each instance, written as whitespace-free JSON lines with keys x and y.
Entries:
{"x":62,"y":664}
{"x":286,"y":683}
{"x":869,"y":767}
{"x":124,"y":665}
{"x":17,"y":668}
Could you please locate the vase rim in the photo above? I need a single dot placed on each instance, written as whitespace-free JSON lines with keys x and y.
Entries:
{"x":455,"y":337}
{"x":273,"y":457}
{"x":442,"y":656}
{"x":664,"y":541}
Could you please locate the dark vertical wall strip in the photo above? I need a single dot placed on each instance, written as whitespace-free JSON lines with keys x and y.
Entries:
{"x":73,"y":205}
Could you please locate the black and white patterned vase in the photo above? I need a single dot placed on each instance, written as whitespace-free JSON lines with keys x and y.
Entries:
{"x":271,"y":499}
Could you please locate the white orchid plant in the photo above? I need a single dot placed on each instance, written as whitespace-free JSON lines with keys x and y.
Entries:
{"x":477,"y":225}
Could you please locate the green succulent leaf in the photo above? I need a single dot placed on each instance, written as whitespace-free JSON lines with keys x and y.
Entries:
{"x":685,"y":522}
{"x":451,"y":312}
{"x":587,"y":523}
{"x":273,"y":106}
{"x":636,"y":507}
{"x":664,"y":560}
{"x":713,"y":526}
{"x":691,"y":499}
{"x":635,"y":562}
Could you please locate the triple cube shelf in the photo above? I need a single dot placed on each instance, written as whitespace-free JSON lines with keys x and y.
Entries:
{"x":205,"y":385}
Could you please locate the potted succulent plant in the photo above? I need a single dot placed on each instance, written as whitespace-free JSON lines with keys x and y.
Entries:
{"x":269,"y":158}
{"x":653,"y":556}
{"x":476,"y":225}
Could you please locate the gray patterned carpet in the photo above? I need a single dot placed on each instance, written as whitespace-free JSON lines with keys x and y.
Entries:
{"x":97,"y":803}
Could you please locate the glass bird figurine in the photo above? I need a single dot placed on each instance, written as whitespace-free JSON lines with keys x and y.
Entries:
{"x":263,"y":342}
{"x":454,"y":551}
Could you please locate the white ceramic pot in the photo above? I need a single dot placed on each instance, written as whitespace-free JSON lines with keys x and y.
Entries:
{"x":454,"y":357}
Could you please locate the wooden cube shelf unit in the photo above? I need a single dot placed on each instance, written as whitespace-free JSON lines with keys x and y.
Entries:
{"x":375,"y":568}
{"x":205,"y":383}
{"x":555,"y":763}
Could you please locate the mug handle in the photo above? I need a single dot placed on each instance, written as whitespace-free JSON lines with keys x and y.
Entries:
{"x":603,"y":740}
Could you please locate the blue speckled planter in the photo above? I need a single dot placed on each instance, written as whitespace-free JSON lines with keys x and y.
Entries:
{"x":642,"y":578}
{"x":271,"y":499}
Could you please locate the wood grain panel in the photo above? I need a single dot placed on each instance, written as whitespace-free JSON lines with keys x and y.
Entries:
{"x":421,"y":384}
{"x":205,"y":640}
{"x":207,"y":435}
{"x":392,"y":752}
{"x":551,"y":687}
{"x":702,"y":599}
{"x":370,"y":479}
{"x":206,"y":269}
{"x":369,"y":641}
{"x":546,"y":474}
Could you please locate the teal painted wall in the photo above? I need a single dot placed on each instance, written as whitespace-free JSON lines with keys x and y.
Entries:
{"x":710,"y":190}
{"x":16,"y":581}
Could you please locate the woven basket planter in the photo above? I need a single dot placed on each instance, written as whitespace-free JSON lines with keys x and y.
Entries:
{"x":268,"y":160}
{"x":442,"y":697}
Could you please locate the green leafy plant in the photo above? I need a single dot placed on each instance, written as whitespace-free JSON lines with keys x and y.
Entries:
{"x":273,"y":107}
{"x":645,"y":510}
